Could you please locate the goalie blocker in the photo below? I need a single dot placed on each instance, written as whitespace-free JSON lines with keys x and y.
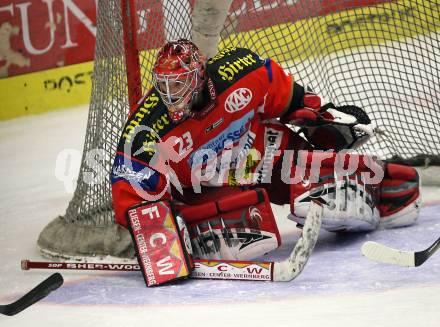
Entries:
{"x":159,"y":239}
{"x":240,"y":226}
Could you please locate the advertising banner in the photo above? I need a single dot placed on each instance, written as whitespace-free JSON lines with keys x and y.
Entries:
{"x":47,"y":46}
{"x":37,"y":35}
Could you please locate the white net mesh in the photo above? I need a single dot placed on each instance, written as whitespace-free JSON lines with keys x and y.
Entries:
{"x":382,"y":57}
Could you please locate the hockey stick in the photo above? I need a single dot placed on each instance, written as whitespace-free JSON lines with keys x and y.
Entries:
{"x":383,"y":253}
{"x":285,"y":270}
{"x":291,"y":267}
{"x":36,"y":294}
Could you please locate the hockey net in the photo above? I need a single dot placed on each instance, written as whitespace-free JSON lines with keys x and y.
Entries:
{"x":379,"y":55}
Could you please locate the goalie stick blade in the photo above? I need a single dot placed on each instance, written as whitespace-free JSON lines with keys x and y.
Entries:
{"x":36,"y":294}
{"x":381,"y":253}
{"x":290,"y":268}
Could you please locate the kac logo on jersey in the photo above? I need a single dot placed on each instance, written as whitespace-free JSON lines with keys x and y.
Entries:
{"x":238,"y":100}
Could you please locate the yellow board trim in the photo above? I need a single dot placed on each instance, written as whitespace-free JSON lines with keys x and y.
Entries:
{"x":45,"y":91}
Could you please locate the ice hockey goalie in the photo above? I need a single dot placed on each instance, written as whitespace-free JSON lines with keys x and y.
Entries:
{"x":210,"y":146}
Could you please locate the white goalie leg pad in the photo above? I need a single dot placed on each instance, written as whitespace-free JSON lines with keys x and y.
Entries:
{"x":350,"y":203}
{"x":406,"y":217}
{"x":233,"y":227}
{"x":400,"y":196}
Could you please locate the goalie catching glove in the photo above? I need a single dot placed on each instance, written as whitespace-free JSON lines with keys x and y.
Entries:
{"x":328,"y":127}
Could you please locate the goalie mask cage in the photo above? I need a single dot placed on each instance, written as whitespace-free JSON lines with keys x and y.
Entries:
{"x":379,"y":55}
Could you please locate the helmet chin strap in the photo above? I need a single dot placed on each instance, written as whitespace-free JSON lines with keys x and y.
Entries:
{"x":177,"y":116}
{"x":181,"y":111}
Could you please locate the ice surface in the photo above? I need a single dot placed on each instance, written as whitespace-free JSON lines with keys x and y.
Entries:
{"x":338,"y":286}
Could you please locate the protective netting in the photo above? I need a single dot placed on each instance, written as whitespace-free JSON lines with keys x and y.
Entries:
{"x":87,"y":227}
{"x":379,"y":55}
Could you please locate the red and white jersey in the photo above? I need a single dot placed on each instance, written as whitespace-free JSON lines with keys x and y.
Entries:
{"x":235,"y":129}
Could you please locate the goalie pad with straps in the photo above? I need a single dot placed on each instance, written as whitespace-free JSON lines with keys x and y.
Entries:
{"x":368,"y":195}
{"x":400,"y":199}
{"x":351,"y":201}
{"x":239,"y":226}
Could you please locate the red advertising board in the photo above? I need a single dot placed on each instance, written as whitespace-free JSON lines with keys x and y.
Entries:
{"x":42,"y":34}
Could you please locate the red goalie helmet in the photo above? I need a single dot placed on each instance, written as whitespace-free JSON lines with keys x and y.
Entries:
{"x":178,"y":76}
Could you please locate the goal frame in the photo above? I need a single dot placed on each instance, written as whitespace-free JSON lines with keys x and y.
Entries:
{"x":88,"y":227}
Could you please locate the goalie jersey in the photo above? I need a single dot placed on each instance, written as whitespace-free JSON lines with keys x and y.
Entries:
{"x":233,"y":129}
